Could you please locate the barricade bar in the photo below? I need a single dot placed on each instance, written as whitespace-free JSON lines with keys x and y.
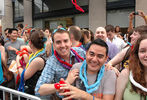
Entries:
{"x":17,"y":93}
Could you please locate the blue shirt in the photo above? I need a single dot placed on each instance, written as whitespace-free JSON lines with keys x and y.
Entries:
{"x":54,"y":70}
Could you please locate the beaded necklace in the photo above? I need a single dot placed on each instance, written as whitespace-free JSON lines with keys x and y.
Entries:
{"x":81,"y":46}
{"x":33,"y":56}
{"x":95,"y":86}
{"x":136,"y":84}
{"x":64,"y":63}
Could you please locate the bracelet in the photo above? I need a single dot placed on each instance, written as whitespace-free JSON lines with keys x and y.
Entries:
{"x":93,"y":97}
{"x":19,"y":67}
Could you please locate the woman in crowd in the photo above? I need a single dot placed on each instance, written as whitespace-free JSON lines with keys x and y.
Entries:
{"x":86,"y":38}
{"x":117,"y":30}
{"x":35,"y":64}
{"x":91,"y":35}
{"x":123,"y":55}
{"x":132,"y":82}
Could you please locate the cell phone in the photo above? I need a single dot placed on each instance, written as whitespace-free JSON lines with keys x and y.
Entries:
{"x":135,"y":13}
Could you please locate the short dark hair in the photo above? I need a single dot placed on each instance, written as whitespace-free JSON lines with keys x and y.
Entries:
{"x":11,"y":30}
{"x":20,"y":25}
{"x":109,"y":28}
{"x":99,"y":42}
{"x":6,"y":29}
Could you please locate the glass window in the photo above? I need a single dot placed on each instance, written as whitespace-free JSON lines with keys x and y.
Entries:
{"x":45,"y":5}
{"x":119,"y":17}
{"x":51,"y":5}
{"x":18,"y":8}
{"x":112,"y":0}
{"x":38,"y":6}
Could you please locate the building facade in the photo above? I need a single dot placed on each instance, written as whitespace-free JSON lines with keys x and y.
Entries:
{"x":50,"y":13}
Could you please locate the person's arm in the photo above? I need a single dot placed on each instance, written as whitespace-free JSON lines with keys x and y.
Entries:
{"x":3,"y":56}
{"x":122,"y":81}
{"x":118,"y":58}
{"x":44,"y":86}
{"x":79,"y":94}
{"x":11,"y":48}
{"x":36,"y":65}
{"x":48,"y":48}
{"x":72,"y":75}
{"x":142,"y":14}
{"x":46,"y":89}
{"x":131,"y":16}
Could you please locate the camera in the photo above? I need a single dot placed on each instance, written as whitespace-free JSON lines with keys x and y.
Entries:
{"x":135,"y":13}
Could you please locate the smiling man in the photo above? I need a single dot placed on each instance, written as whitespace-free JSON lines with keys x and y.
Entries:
{"x":101,"y":34}
{"x":92,"y":75}
{"x":59,"y":64}
{"x":12,"y":46}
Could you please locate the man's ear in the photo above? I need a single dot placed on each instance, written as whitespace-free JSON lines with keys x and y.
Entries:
{"x":106,"y":58}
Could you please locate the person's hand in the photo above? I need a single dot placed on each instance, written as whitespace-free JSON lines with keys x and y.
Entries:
{"x":109,"y":66}
{"x":18,"y":57}
{"x":116,"y":71}
{"x":141,"y":13}
{"x":131,"y":16}
{"x":72,"y":75}
{"x":72,"y":92}
{"x":12,"y":49}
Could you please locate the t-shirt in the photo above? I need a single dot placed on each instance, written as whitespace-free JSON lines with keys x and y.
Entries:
{"x":12,"y":54}
{"x":128,"y":95}
{"x":107,"y":85}
{"x":118,"y":42}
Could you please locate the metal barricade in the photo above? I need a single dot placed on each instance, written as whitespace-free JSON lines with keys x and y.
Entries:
{"x":17,"y":94}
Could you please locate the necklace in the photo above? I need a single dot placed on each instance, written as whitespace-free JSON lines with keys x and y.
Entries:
{"x":64,"y":63}
{"x":33,"y":56}
{"x":136,"y":84}
{"x":80,"y":45}
{"x":95,"y":86}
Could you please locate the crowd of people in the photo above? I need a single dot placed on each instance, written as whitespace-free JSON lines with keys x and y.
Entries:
{"x":75,"y":63}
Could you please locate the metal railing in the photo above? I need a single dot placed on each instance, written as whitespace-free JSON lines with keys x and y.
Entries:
{"x":17,"y":94}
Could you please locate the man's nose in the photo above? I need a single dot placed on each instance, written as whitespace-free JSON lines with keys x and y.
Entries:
{"x":94,"y":58}
{"x":62,"y":44}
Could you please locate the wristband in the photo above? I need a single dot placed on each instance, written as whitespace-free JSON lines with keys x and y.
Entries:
{"x":93,"y":97}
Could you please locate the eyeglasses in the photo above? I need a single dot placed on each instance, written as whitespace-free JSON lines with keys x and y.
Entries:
{"x":58,"y":29}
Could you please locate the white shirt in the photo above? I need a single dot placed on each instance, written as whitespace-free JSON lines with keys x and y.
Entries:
{"x":118,"y":42}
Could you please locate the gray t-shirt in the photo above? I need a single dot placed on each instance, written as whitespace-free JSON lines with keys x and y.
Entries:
{"x":107,"y":85}
{"x":12,"y":54}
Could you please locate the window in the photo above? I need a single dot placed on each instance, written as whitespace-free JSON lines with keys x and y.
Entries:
{"x":38,"y":6}
{"x":18,"y":8}
{"x":112,"y":0}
